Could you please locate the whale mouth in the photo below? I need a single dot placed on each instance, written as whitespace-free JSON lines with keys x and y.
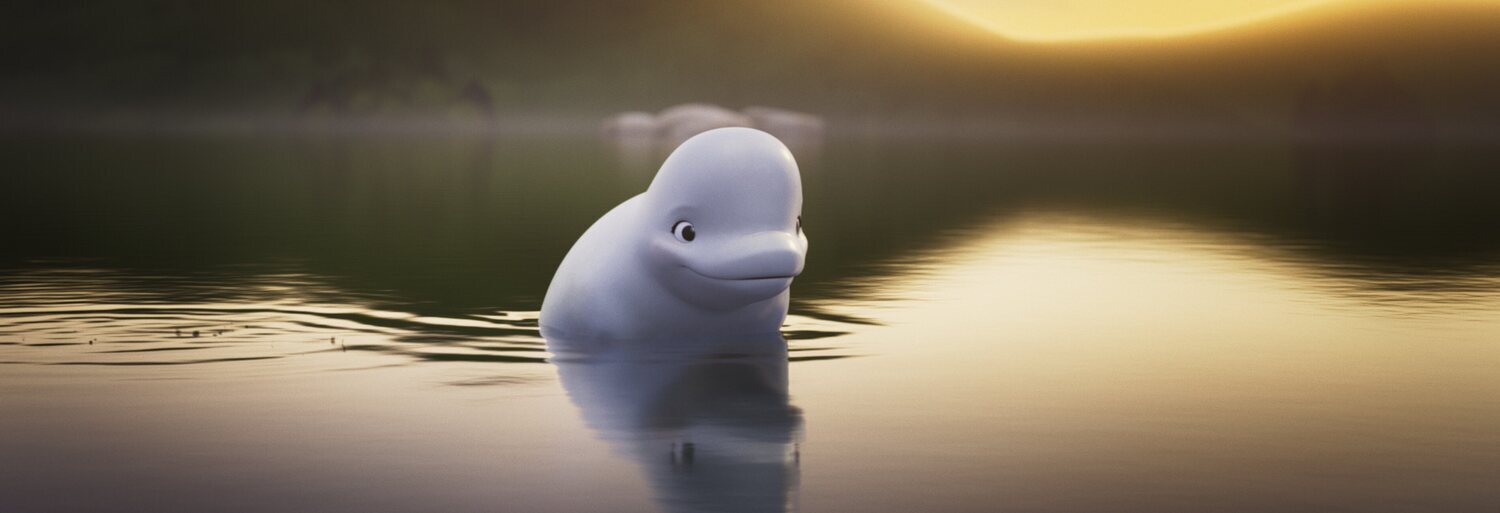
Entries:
{"x":741,"y":278}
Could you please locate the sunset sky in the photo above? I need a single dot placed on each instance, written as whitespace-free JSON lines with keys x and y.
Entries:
{"x":1061,"y":20}
{"x":886,"y":59}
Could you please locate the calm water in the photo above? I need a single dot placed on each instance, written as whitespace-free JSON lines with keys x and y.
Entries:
{"x":347,"y":324}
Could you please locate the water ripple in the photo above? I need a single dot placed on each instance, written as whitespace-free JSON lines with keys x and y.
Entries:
{"x":81,"y":317}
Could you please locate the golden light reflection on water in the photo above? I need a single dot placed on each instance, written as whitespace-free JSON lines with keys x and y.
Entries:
{"x":1157,"y":368}
{"x":1039,"y":362}
{"x":1168,"y":329}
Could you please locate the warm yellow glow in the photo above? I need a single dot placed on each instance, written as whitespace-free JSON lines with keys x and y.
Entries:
{"x":1059,"y":20}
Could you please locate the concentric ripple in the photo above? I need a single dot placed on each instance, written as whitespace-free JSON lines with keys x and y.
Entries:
{"x":275,"y":323}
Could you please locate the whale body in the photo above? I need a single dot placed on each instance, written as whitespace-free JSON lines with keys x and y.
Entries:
{"x":709,"y":249}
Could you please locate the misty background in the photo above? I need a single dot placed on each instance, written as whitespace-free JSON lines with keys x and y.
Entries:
{"x":1399,"y":71}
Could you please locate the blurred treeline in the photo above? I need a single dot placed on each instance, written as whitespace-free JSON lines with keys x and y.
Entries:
{"x":1399,"y":70}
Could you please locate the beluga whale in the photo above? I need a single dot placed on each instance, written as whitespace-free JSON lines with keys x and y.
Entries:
{"x":709,"y":250}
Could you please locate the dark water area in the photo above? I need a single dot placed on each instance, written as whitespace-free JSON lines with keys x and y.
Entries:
{"x":349,"y":324}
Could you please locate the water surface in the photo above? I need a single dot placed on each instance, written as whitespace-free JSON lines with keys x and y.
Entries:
{"x":349,"y":324}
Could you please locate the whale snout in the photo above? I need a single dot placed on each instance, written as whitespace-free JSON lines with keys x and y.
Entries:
{"x":764,"y":255}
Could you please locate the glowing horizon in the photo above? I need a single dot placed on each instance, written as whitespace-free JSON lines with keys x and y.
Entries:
{"x":1081,"y":20}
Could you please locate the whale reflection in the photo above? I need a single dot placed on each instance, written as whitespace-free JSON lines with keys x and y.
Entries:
{"x":710,"y":433}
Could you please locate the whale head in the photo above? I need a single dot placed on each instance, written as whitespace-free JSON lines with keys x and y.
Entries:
{"x":723,"y":218}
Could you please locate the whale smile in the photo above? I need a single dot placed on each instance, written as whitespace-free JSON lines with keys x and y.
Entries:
{"x":741,"y":278}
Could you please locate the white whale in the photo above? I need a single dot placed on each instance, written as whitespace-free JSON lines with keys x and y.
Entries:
{"x":709,"y":250}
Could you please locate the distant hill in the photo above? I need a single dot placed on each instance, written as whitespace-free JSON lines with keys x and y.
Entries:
{"x":1396,"y":70}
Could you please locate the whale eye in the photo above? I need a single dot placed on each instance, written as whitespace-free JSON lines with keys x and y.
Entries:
{"x":684,"y":231}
